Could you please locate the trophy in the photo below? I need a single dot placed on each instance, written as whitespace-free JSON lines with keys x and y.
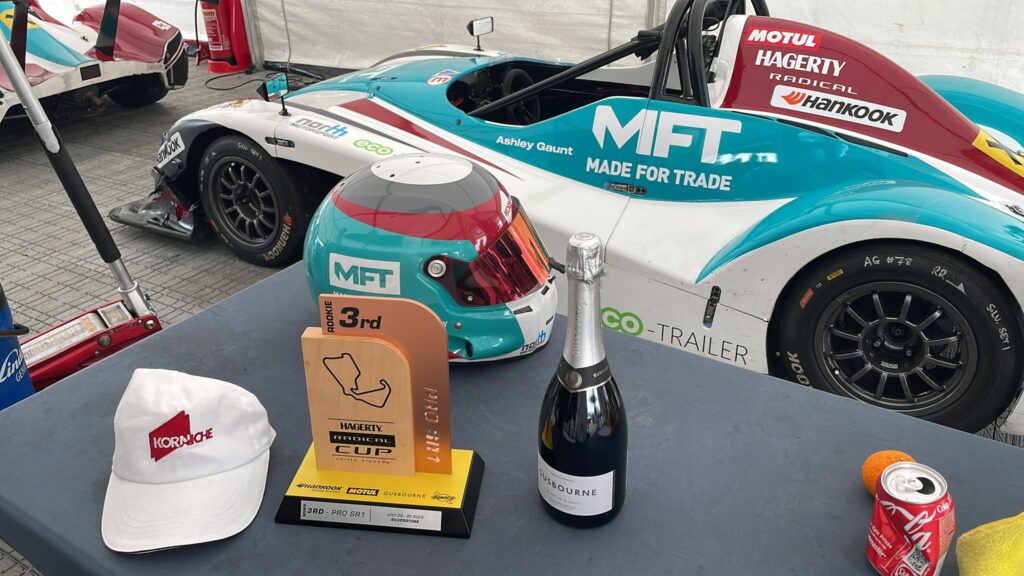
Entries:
{"x":377,"y":384}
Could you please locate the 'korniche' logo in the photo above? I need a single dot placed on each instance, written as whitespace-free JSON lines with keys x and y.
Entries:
{"x":173,"y":434}
{"x":839,"y":107}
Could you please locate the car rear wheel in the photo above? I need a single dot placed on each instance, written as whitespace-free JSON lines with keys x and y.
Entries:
{"x":256,"y":207}
{"x":905,"y":327}
{"x":139,"y":91}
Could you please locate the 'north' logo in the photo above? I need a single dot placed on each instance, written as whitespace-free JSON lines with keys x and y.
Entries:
{"x":173,"y":434}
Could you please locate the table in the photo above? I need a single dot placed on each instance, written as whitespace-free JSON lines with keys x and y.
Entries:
{"x":730,"y":472}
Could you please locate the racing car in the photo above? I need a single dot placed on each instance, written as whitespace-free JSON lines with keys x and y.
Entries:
{"x":116,"y":50}
{"x":772,"y":195}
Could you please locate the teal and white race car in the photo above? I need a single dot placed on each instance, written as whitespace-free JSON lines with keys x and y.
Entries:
{"x":772,"y":195}
{"x":116,"y":50}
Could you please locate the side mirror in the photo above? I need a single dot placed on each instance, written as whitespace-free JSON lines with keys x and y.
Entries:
{"x":273,"y":89}
{"x":479,"y":27}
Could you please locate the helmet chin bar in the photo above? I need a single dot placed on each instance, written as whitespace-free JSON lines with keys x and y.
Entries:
{"x":534,"y":314}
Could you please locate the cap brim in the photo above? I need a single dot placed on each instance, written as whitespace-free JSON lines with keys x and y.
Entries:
{"x":145,"y":517}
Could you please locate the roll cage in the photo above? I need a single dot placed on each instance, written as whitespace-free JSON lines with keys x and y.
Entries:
{"x":667,"y":40}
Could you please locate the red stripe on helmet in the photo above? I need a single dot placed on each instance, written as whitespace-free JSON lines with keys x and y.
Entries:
{"x":481,"y":224}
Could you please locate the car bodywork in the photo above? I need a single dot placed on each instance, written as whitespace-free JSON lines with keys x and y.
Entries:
{"x":81,"y":62}
{"x":805,"y":142}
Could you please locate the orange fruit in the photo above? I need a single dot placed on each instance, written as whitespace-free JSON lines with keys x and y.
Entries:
{"x":877,"y":463}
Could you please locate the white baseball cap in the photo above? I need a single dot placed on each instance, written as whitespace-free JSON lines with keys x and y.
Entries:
{"x":190,"y":462}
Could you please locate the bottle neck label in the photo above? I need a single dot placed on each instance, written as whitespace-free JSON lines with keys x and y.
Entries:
{"x":579,"y":379}
{"x":576,"y":495}
{"x":584,"y":345}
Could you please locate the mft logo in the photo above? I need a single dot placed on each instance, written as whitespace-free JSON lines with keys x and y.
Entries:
{"x":656,"y":131}
{"x":364,"y":275}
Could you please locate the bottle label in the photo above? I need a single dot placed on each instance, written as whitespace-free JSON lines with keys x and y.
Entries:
{"x":576,"y":495}
{"x":578,"y":379}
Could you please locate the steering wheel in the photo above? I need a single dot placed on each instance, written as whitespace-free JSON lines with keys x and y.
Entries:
{"x":526,"y":111}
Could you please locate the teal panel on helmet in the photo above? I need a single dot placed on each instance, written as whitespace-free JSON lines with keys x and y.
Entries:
{"x":40,"y":43}
{"x":983,"y":103}
{"x":897,"y":201}
{"x":396,"y":269}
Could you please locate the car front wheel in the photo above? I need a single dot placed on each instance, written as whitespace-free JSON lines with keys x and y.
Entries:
{"x":139,"y":91}
{"x":905,"y":327}
{"x":252,"y":202}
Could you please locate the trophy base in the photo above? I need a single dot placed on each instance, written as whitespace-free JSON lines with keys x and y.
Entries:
{"x":433,"y":504}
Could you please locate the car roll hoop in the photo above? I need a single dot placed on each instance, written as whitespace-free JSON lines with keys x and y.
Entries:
{"x":692,"y":68}
{"x":662,"y":39}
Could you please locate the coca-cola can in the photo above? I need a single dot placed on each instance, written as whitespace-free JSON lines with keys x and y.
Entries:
{"x":912,"y":523}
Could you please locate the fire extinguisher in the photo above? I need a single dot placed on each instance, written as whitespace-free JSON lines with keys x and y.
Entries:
{"x":15,"y":383}
{"x":225,"y":32}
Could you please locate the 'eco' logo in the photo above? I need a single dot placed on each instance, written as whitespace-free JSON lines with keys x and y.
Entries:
{"x":657,"y":133}
{"x":625,"y":322}
{"x":363,"y":275}
{"x":373,"y":147}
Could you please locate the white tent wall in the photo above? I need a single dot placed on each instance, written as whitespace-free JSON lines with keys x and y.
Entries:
{"x":357,"y":33}
{"x":978,"y":39}
{"x":175,"y":12}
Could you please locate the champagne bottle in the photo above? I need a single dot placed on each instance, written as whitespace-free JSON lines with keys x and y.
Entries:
{"x":581,"y":465}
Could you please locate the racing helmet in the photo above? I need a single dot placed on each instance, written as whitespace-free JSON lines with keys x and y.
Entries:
{"x":442,"y":231}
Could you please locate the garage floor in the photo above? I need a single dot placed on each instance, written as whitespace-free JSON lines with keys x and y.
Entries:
{"x":49,"y":267}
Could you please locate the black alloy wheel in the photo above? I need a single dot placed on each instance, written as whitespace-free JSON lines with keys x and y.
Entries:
{"x":253,"y":203}
{"x":245,"y":202}
{"x":903,"y":326}
{"x":897,"y":345}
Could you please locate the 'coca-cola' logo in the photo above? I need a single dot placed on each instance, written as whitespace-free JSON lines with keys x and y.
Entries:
{"x":915,"y":524}
{"x":904,"y":571}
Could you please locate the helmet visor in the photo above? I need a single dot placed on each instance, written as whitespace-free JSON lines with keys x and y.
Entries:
{"x":507,"y":270}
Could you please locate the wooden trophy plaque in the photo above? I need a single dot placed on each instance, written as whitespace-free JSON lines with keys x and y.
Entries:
{"x":377,"y":384}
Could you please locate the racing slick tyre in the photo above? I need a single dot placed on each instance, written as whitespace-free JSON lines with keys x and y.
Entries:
{"x":139,"y":91}
{"x":905,"y":327}
{"x":252,"y":202}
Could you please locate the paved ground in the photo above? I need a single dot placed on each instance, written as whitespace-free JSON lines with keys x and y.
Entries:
{"x":49,"y":267}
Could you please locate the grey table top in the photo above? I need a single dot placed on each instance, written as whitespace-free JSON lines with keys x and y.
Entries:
{"x":729,"y":472}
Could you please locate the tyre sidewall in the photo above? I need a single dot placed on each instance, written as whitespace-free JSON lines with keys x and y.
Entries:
{"x":286,"y":241}
{"x":990,"y":314}
{"x":139,"y":91}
